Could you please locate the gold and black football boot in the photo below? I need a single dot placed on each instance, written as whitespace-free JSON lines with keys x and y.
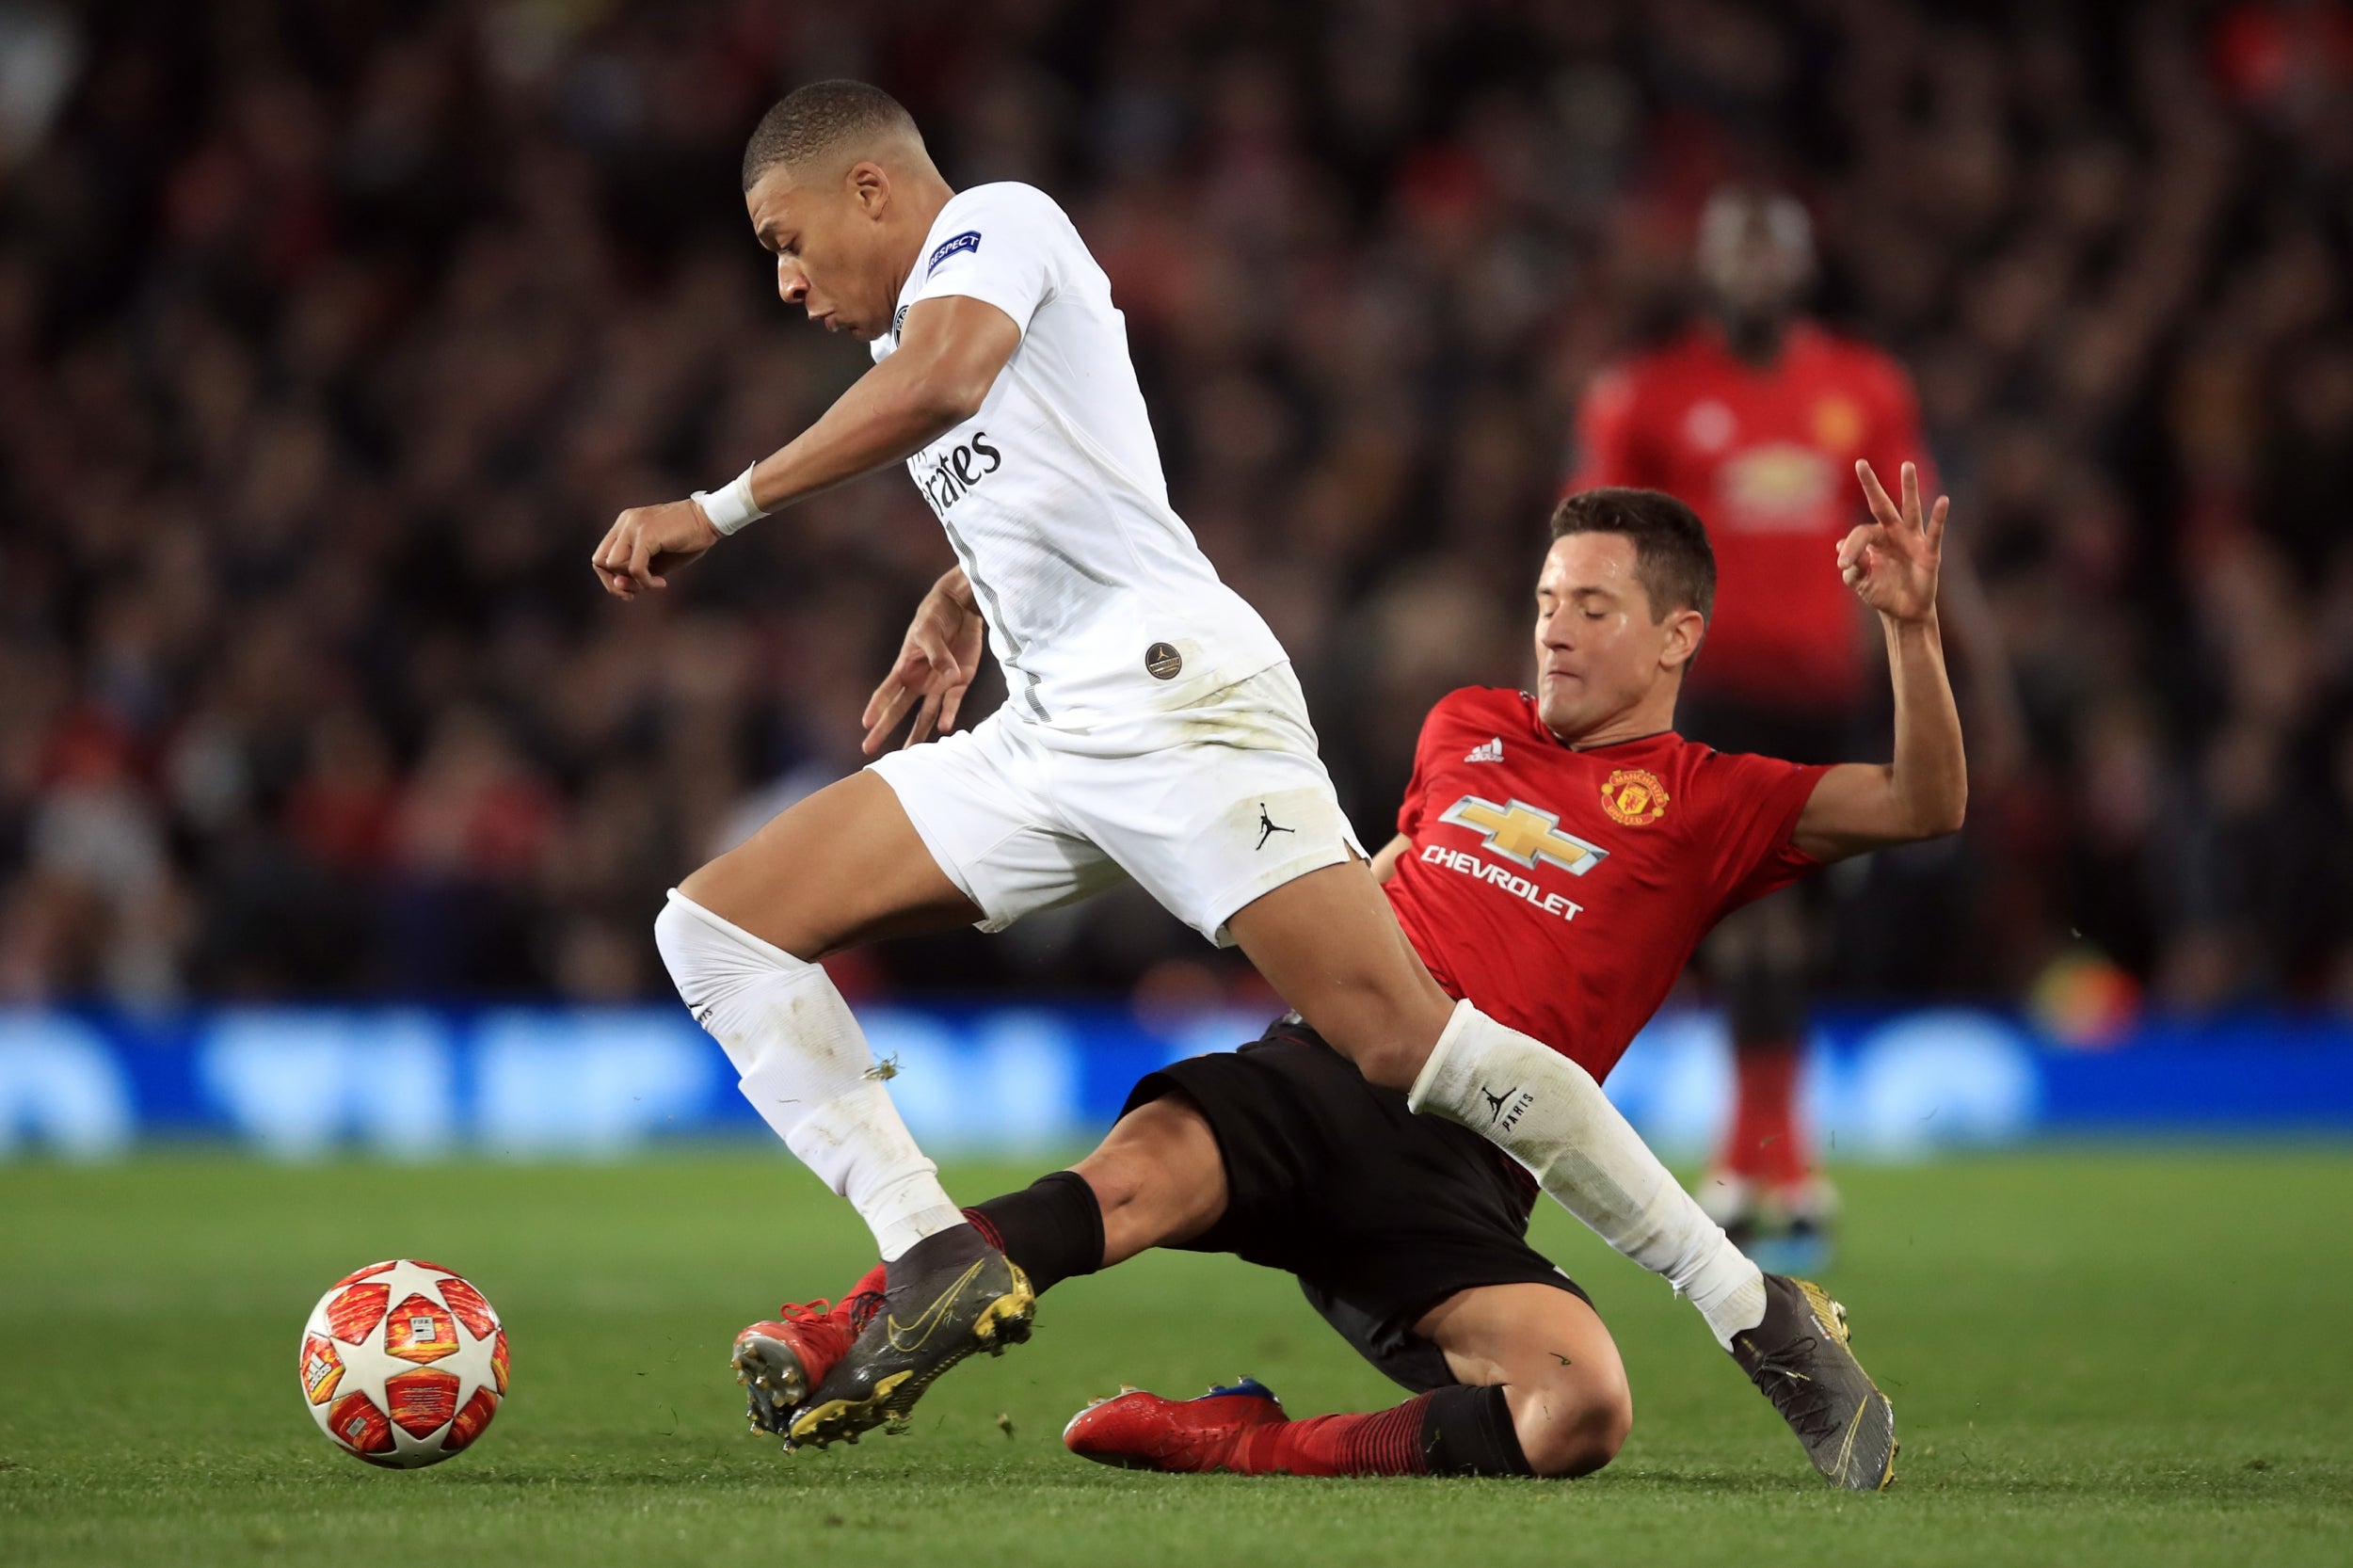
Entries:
{"x":1799,"y":1358}
{"x":948,"y":1295}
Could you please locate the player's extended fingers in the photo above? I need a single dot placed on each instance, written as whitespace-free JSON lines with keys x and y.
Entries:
{"x":878,"y":732}
{"x":1875,"y":493}
{"x":1912,"y":494}
{"x":906,"y":670}
{"x":920,"y":730}
{"x":1936,"y":523}
{"x":941,"y":668}
{"x":949,"y":703}
{"x":873,"y":710}
{"x":929,"y":651}
{"x":1850,"y":547}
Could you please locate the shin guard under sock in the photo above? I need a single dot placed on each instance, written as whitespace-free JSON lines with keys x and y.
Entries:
{"x":1547,"y":1112}
{"x":1053,"y":1228}
{"x":1468,"y":1430}
{"x":805,"y":1067}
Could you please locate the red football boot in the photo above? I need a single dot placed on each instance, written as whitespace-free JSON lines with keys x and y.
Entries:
{"x":778,"y":1362}
{"x":1139,"y":1430}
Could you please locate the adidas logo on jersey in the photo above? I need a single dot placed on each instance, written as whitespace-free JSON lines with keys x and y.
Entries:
{"x":1490,"y":752}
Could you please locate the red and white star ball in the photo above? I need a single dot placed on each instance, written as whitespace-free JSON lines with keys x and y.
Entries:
{"x":403,"y":1364}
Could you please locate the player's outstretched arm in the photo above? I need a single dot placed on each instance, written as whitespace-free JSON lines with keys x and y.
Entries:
{"x":1890,"y":563}
{"x":949,"y":354}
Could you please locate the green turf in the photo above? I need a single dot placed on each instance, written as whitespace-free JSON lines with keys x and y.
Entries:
{"x":2096,"y":1358}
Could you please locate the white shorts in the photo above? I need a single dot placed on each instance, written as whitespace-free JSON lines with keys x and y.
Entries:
{"x":1207,"y":807}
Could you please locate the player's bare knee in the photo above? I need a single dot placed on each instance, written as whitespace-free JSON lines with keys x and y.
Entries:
{"x":1570,"y":1430}
{"x":1115,"y":1177}
{"x":1158,"y":1178}
{"x":711,"y":884}
{"x":696,"y":885}
{"x":1388,"y":1061}
{"x":739,"y":890}
{"x":1388,"y":1035}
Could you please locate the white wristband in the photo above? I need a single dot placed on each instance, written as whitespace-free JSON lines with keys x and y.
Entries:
{"x":731,"y":506}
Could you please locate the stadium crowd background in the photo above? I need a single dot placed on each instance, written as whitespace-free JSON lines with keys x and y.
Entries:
{"x":331,"y":337}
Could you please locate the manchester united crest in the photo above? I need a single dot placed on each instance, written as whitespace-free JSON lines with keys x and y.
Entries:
{"x":1634,"y":796}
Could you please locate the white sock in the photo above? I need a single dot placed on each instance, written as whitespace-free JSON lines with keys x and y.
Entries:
{"x":803,"y":1062}
{"x":1547,"y":1112}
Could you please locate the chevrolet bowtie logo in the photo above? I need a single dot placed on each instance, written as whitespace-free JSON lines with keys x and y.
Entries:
{"x":1524,"y":834}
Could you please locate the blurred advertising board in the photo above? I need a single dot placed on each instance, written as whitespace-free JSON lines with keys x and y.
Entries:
{"x":536,"y":1083}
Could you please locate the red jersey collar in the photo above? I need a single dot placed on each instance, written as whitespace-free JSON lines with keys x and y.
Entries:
{"x":1543,"y":731}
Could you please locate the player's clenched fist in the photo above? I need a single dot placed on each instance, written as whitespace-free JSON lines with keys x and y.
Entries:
{"x":1890,"y":562}
{"x":645,"y":542}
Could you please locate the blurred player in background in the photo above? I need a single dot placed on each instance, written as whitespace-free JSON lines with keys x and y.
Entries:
{"x":1755,"y":416}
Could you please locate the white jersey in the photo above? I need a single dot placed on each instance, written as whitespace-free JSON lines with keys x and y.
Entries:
{"x":1100,"y":602}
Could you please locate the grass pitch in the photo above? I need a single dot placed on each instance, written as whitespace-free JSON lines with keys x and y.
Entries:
{"x":2098,"y":1358}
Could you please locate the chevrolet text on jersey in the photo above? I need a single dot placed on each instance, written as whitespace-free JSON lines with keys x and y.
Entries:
{"x":1487,"y":870}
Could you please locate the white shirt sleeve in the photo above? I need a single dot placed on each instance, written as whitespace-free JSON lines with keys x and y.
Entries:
{"x":1000,"y":243}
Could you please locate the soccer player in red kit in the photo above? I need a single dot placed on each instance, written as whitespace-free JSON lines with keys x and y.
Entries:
{"x":1756,"y":416}
{"x":1559,"y":854}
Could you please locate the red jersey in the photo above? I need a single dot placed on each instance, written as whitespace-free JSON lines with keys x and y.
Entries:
{"x":1561,"y":890}
{"x":1767,"y":458}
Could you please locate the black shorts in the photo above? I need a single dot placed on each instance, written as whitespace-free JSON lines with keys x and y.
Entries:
{"x":1380,"y":1213}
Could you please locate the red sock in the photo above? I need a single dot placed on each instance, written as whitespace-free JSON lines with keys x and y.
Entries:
{"x":1383,"y":1443}
{"x":1762,"y":1146}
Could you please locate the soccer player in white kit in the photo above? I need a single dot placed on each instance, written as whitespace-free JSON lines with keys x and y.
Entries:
{"x":1153,"y":730}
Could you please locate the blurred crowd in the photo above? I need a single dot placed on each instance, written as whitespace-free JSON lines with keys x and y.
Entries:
{"x":331,"y":337}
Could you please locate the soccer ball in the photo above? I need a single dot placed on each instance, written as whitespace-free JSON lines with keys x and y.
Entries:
{"x":403,"y":1364}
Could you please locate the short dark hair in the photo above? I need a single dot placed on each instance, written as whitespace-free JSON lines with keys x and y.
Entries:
{"x":814,"y":120}
{"x":1672,"y":558}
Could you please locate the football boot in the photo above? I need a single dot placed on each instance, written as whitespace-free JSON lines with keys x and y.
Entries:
{"x":948,"y":1295}
{"x":1141,"y":1431}
{"x":780,"y":1360}
{"x":1799,"y":1358}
